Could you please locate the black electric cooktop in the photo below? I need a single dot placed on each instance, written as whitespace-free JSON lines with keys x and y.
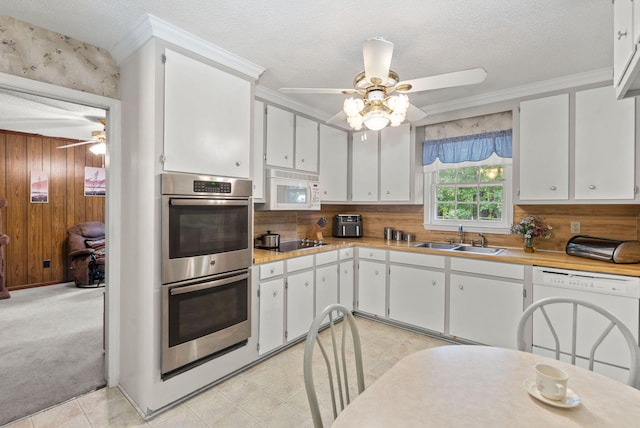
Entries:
{"x":302,"y":244}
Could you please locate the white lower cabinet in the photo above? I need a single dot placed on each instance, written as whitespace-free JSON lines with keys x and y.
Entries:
{"x":299,"y":304}
{"x":372,"y":287}
{"x":271,"y":327}
{"x":326,"y":287}
{"x":417,"y":297}
{"x":485,"y":310}
{"x":346,"y":284}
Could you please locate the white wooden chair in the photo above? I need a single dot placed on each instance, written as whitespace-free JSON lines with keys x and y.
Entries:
{"x":336,"y":357}
{"x":613,"y":322}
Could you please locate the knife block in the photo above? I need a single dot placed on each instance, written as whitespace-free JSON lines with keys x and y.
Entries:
{"x":316,"y":233}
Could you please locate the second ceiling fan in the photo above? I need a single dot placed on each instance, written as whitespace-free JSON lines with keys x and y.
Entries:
{"x":383,"y":98}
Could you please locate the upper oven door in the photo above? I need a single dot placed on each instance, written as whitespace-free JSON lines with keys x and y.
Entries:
{"x":204,"y":236}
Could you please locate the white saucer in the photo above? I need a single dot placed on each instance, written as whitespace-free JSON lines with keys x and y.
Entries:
{"x":571,"y":400}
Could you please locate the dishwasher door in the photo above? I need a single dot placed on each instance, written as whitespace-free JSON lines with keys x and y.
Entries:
{"x":612,"y":357}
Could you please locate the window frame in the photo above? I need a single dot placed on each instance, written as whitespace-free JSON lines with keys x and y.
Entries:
{"x":430,"y":186}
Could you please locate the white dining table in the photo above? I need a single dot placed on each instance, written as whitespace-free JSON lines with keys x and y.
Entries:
{"x":483,"y":386}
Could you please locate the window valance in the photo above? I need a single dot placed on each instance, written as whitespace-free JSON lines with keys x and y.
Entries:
{"x":472,"y":148}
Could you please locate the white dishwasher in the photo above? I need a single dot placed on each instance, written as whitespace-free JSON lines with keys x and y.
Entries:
{"x":618,"y":294}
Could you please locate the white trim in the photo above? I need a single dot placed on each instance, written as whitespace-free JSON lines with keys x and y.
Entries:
{"x":603,"y":75}
{"x":269,"y":95}
{"x":152,"y":26}
{"x":113,"y":164}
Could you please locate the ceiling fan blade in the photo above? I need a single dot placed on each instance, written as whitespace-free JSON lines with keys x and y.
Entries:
{"x":377,"y":54}
{"x":414,"y":113}
{"x":339,"y":117}
{"x":81,"y":143}
{"x":446,"y":80}
{"x":317,"y":91}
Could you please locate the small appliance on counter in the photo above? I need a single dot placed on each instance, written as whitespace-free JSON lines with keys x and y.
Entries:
{"x":268,"y":241}
{"x":347,"y":226}
{"x":604,"y":249}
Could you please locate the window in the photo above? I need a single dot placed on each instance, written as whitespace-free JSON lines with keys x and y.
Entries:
{"x":468,"y":182}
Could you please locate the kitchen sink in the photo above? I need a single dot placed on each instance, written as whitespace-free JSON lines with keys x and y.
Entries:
{"x":459,"y":247}
{"x":478,"y":250}
{"x":437,"y":245}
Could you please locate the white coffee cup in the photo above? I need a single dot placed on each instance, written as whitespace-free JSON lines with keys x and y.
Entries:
{"x":551,"y":382}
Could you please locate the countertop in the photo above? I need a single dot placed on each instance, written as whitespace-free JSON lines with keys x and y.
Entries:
{"x":509,"y":255}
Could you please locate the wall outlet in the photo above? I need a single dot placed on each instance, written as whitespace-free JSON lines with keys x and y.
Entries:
{"x":575,"y":227}
{"x":46,"y":264}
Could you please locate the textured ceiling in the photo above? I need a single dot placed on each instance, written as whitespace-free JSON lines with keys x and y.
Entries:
{"x":318,"y":43}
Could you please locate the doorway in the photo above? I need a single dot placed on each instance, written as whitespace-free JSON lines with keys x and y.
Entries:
{"x":52,"y":94}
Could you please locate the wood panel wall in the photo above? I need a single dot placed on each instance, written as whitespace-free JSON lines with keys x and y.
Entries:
{"x":38,"y":231}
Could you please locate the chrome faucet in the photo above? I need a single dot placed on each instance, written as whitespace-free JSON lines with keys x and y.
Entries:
{"x":461,"y":234}
{"x":483,"y":240}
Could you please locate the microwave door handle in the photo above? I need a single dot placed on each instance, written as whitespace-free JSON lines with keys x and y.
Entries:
{"x":206,"y":285}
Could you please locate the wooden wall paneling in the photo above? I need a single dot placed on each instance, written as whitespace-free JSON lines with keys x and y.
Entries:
{"x":57,"y":239}
{"x":16,"y":210}
{"x":79,"y":206}
{"x":69,"y":185}
{"x":3,"y":178}
{"x":94,"y":204}
{"x":35,"y":214}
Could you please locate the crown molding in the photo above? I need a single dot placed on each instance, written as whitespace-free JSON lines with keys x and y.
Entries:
{"x":151,"y":26}
{"x":602,"y":75}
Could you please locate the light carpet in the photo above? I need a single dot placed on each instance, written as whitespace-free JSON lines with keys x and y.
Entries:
{"x":51,"y":347}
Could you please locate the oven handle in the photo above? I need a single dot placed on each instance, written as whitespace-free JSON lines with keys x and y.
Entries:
{"x":203,"y":202}
{"x":203,"y":286}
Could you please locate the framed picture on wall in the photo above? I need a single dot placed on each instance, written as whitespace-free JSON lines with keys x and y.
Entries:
{"x":39,"y":187}
{"x":94,"y":181}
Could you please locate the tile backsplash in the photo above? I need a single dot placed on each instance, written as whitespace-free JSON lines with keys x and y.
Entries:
{"x":608,"y":221}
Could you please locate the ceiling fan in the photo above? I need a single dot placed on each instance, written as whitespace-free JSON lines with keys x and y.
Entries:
{"x":98,"y":139}
{"x":382,"y":98}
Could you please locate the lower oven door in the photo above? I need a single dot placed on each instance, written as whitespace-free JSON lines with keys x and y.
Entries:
{"x":200,"y":319}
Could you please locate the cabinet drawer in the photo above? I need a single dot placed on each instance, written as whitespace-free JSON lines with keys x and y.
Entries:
{"x":372,"y":253}
{"x":326,"y":257}
{"x":269,"y":270}
{"x":507,"y":270}
{"x":418,"y":259}
{"x":298,"y":263}
{"x":346,"y":253}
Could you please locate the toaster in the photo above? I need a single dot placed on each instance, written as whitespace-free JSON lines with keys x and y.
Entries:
{"x":608,"y":250}
{"x":347,"y":226}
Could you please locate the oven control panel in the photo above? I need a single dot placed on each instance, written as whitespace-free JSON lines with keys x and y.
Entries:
{"x":211,"y":186}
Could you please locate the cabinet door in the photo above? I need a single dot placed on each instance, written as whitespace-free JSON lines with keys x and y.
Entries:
{"x":279,"y":137}
{"x":395,"y":163}
{"x":271,"y":315}
{"x":485,"y":310}
{"x":346,"y":284}
{"x":258,"y":151}
{"x":364,"y":167}
{"x":306,"y":144}
{"x":334,"y":155}
{"x":299,"y":304}
{"x":201,"y":134}
{"x":326,"y":287}
{"x":623,"y":38}
{"x":372,"y":287}
{"x":544,"y":149}
{"x":416,"y":296}
{"x":605,"y":145}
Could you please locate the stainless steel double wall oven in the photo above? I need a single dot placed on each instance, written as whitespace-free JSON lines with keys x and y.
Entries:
{"x":207,"y":237}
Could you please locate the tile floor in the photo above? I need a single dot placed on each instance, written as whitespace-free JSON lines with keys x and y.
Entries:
{"x":270,"y":394}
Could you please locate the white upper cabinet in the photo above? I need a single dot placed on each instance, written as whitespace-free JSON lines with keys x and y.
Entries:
{"x":605,"y":146}
{"x":395,"y":163}
{"x":544,"y":149}
{"x":280,"y":135}
{"x":258,"y":151}
{"x":626,"y":54}
{"x":306,"y":145}
{"x":364,"y":168}
{"x":207,"y":123}
{"x":334,"y":155}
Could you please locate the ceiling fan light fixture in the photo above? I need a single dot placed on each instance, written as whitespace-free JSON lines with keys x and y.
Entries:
{"x":376,"y":119}
{"x":98,"y":149}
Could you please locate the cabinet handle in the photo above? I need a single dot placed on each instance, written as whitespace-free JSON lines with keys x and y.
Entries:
{"x":553,"y":188}
{"x":592,"y":187}
{"x":306,"y":283}
{"x":621,"y":34}
{"x":433,"y":282}
{"x":376,"y":272}
{"x":286,"y":156}
{"x":369,"y":193}
{"x":461,"y":287}
{"x":388,"y":192}
{"x":302,"y":160}
{"x":272,"y":271}
{"x":238,"y":163}
{"x":275,"y":293}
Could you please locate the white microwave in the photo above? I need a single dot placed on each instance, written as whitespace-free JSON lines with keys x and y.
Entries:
{"x":288,"y":190}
